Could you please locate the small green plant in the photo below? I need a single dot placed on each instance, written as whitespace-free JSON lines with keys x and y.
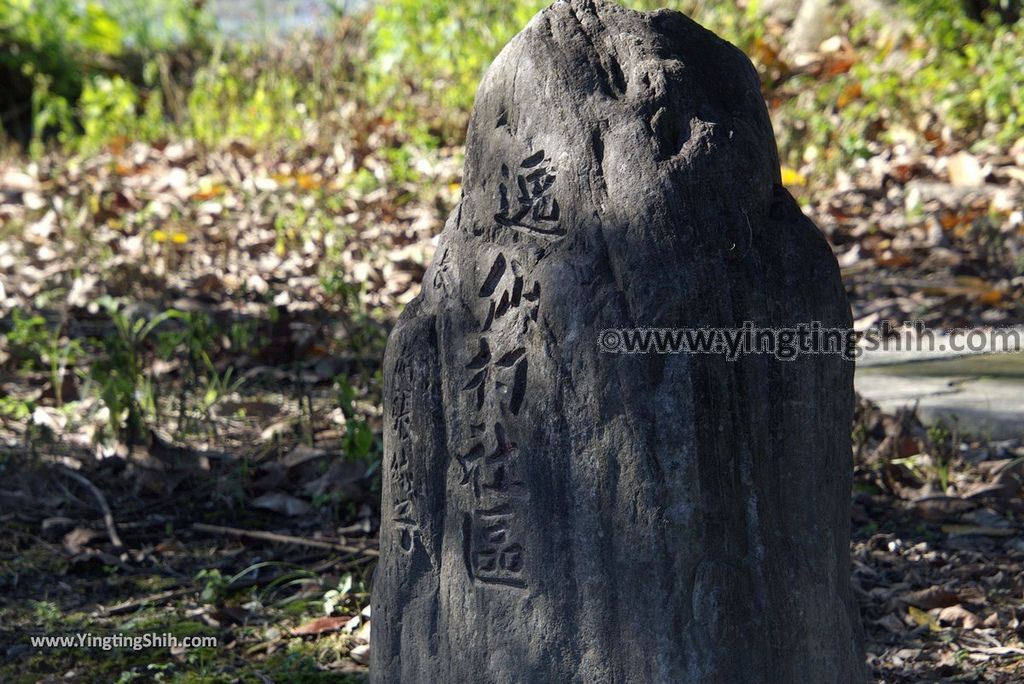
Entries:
{"x":48,"y":49}
{"x":359,"y":441}
{"x":51,"y":113}
{"x":224,"y":105}
{"x":27,"y":338}
{"x":33,"y":345}
{"x":47,"y":613}
{"x":243,"y":334}
{"x":121,"y":374}
{"x":334,"y":598}
{"x":217,"y":387}
{"x":214,"y":585}
{"x":58,"y":58}
{"x":289,"y":227}
{"x":16,"y":409}
{"x":193,"y":341}
{"x":943,"y":446}
{"x":336,"y":287}
{"x":110,"y":107}
{"x":953,"y":73}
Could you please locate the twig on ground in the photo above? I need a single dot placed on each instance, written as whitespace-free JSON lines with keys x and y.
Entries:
{"x":179,"y":591}
{"x":131,"y":605}
{"x":281,"y":538}
{"x":108,"y":517}
{"x":106,"y":559}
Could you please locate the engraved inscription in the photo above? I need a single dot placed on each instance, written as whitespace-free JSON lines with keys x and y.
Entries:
{"x":403,"y":486}
{"x":525,"y":198}
{"x":505,"y":287}
{"x":493,"y":473}
{"x":442,"y":275}
{"x":496,"y":375}
{"x":508,"y":375}
{"x":493,"y":555}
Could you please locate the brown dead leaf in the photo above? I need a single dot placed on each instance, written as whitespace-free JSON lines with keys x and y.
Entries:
{"x":768,"y":54}
{"x":894,"y":260}
{"x":117,"y":145}
{"x":973,"y":283}
{"x":986,"y":490}
{"x":242,"y":149}
{"x":904,"y":172}
{"x":230,"y":615}
{"x":839,"y":63}
{"x":301,"y":454}
{"x":932,"y":597}
{"x":938,"y":508}
{"x":959,"y":616}
{"x":991,"y":297}
{"x":961,"y":530}
{"x":215,"y":190}
{"x":208,"y":283}
{"x":997,"y":651}
{"x":320,"y":626}
{"x":77,"y":539}
{"x":122,"y":169}
{"x":279,"y":502}
{"x":850,"y":93}
{"x":950,"y":219}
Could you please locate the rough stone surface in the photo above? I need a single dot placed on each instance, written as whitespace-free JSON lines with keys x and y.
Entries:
{"x":552,"y":513}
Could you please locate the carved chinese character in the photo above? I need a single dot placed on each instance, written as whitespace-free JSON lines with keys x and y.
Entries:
{"x":404,"y":493}
{"x":490,"y":472}
{"x":509,"y":374}
{"x":493,"y":555}
{"x":442,"y":274}
{"x":505,"y":287}
{"x":480,"y":364}
{"x":525,"y":200}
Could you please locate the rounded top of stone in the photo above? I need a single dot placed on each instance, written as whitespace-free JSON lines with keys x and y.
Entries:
{"x":622,"y":109}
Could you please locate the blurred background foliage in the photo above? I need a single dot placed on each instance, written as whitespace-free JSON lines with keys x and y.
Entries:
{"x":80,"y":74}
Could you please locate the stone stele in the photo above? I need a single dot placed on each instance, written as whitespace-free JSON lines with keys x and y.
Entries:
{"x":556,"y":513}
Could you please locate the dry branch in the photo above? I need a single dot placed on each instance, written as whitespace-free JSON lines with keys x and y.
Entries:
{"x":108,"y":517}
{"x":281,"y":538}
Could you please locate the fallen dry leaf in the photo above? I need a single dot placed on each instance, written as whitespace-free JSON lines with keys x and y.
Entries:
{"x":923,"y":619}
{"x":932,"y":597}
{"x":961,"y":530}
{"x":77,"y":539}
{"x":280,"y":502}
{"x":959,"y":616}
{"x":850,"y":93}
{"x":361,"y":654}
{"x":301,"y":454}
{"x":320,"y":626}
{"x":965,"y":170}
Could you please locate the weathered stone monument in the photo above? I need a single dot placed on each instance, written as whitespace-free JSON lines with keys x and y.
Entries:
{"x":552,"y":513}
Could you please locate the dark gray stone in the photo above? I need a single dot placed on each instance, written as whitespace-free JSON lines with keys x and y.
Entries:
{"x":555,"y":514}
